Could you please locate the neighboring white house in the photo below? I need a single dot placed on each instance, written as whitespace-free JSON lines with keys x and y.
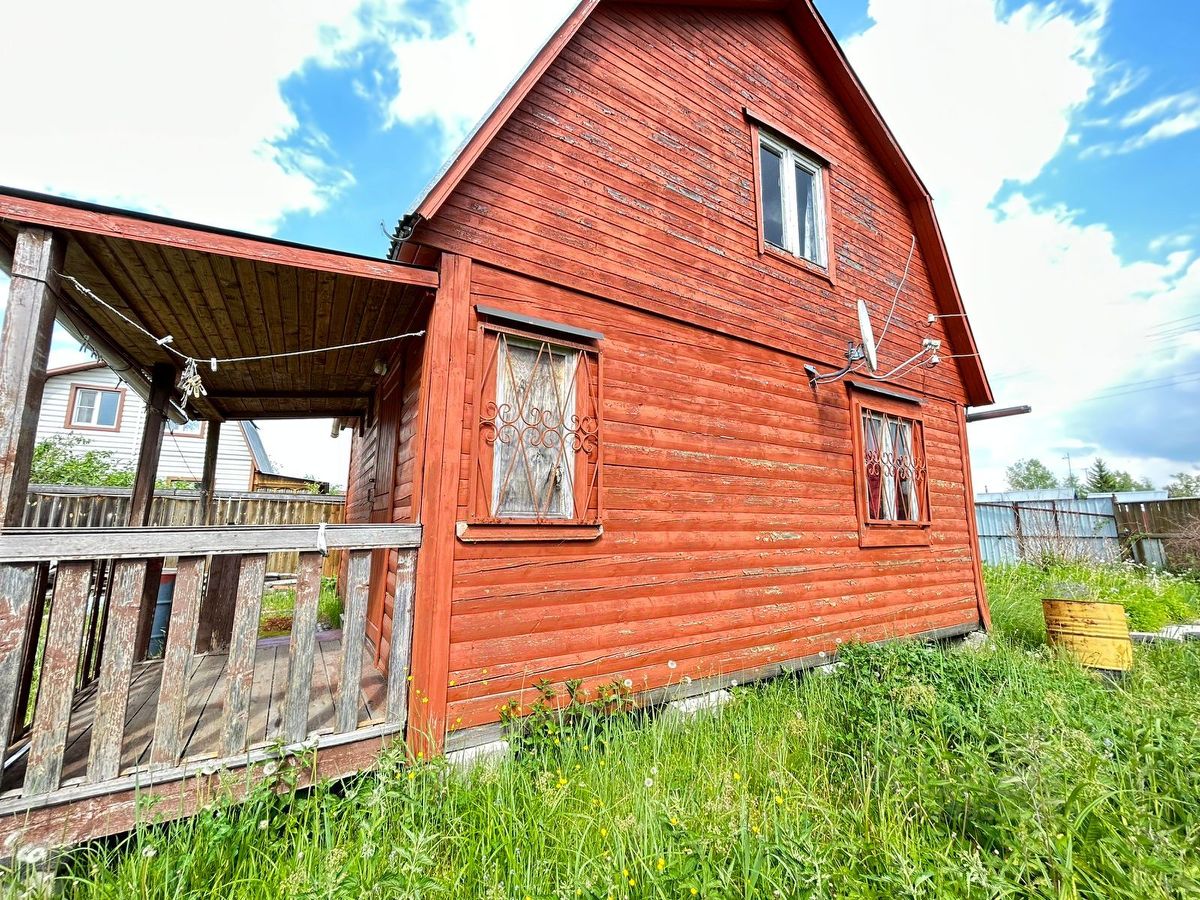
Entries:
{"x":90,"y":401}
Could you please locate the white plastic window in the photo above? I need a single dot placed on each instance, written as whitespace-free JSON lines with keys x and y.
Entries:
{"x":793,"y":200}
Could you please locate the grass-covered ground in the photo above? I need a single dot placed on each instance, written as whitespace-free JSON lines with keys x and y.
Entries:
{"x":912,"y":772}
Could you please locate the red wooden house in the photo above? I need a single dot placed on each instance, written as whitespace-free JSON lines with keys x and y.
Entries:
{"x":622,"y":467}
{"x":640,"y":438}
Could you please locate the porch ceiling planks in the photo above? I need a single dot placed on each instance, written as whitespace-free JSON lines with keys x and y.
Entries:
{"x":222,"y":294}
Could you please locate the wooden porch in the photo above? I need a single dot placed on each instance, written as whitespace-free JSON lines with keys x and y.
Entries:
{"x":104,"y":725}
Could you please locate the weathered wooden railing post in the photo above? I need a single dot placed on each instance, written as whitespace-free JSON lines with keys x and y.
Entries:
{"x":24,"y":350}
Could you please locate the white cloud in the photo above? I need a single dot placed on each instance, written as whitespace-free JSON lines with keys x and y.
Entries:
{"x":980,"y":100}
{"x":449,"y":74}
{"x":142,"y":105}
{"x":1159,"y":120}
{"x":976,"y":99}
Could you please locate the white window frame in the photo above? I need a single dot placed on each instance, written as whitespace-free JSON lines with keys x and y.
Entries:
{"x":793,"y":158}
{"x":94,"y":422}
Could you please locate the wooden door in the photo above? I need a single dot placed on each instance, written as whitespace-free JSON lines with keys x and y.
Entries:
{"x":389,"y":408}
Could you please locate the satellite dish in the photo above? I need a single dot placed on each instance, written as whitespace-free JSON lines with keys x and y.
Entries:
{"x":868,"y":336}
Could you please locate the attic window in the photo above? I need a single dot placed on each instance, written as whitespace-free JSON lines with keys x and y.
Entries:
{"x":792,"y":197}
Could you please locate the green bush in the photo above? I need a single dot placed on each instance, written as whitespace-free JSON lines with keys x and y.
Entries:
{"x":62,"y":459}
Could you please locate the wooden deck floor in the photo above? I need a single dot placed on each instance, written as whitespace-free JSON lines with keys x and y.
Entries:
{"x":206,"y":693}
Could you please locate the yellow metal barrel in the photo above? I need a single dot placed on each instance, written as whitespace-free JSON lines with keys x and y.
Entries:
{"x":1096,"y":633}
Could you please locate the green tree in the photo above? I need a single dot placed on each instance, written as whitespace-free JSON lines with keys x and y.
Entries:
{"x":1183,"y":484}
{"x":63,"y":459}
{"x":1030,"y":475}
{"x":1127,"y":482}
{"x":1100,"y":478}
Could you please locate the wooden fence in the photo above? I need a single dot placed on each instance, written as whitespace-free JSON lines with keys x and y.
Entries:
{"x":1156,"y":531}
{"x":57,"y":506}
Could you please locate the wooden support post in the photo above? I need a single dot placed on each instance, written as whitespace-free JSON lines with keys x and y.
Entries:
{"x":142,"y":499}
{"x":216,"y":609}
{"x":443,"y":405}
{"x":24,"y":349}
{"x":161,"y":386}
{"x":208,"y":481}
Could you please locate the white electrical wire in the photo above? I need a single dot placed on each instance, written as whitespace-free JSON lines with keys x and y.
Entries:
{"x":895,"y":300}
{"x":168,"y":340}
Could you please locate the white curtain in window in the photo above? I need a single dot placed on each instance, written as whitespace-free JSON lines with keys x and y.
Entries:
{"x":533,"y":470}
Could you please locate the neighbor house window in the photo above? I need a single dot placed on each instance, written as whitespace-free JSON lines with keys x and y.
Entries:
{"x":792,"y":195}
{"x":191,"y":428}
{"x":94,"y":408}
{"x":539,"y":438}
{"x":890,"y":475}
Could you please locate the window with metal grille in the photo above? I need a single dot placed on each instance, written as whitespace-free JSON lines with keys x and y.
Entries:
{"x":539,"y":438}
{"x":893,"y":468}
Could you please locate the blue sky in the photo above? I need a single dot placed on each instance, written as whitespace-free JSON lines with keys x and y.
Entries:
{"x":1060,"y":140}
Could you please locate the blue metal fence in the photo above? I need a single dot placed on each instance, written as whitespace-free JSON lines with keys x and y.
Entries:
{"x":1013,"y":532}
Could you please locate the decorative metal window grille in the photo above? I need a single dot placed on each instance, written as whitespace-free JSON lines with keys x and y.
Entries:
{"x":539,"y":431}
{"x":894,"y":468}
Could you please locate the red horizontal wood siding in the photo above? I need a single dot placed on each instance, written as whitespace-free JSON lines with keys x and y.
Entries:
{"x":730,"y":534}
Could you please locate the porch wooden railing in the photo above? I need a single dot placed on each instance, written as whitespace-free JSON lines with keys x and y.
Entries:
{"x":93,"y":583}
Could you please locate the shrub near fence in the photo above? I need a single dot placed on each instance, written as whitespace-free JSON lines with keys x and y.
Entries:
{"x":57,"y":506}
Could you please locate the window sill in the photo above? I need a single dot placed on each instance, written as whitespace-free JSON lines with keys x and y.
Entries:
{"x":473,"y":533}
{"x":825,"y":274}
{"x":111,"y":429}
{"x":894,"y":536}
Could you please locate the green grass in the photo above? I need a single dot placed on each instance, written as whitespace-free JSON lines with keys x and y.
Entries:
{"x":913,"y":771}
{"x":1151,"y":599}
{"x":279,"y":605}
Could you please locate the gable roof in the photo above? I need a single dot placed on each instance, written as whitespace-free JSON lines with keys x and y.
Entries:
{"x":262,"y":462}
{"x":831,"y":61}
{"x":78,"y":367}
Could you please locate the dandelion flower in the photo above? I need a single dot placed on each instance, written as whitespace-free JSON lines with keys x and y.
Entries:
{"x":32,"y":856}
{"x":632,"y":882}
{"x":737,"y":776}
{"x":662,"y":864}
{"x":674,"y":820}
{"x":694,"y":892}
{"x":687,"y":679}
{"x":671,"y":664}
{"x":779,"y":801}
{"x":733,"y":683}
{"x":649,"y":782}
{"x":654,"y":770}
{"x":270,"y":768}
{"x":262,"y":824}
{"x":149,"y":852}
{"x":628,"y":682}
{"x":603,"y":832}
